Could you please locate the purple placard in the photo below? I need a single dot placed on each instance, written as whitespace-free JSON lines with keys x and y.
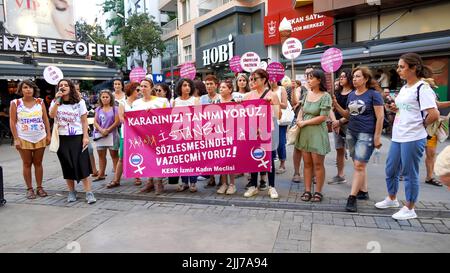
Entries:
{"x":331,"y":60}
{"x":235,"y":64}
{"x":137,"y":74}
{"x":188,"y":70}
{"x":276,"y":71}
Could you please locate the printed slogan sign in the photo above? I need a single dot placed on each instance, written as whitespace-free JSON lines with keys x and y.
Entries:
{"x":206,"y":139}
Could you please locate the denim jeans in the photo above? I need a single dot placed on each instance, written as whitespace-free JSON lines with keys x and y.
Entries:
{"x":404,"y":159}
{"x":360,"y":145}
{"x":282,"y":143}
{"x":187,"y":179}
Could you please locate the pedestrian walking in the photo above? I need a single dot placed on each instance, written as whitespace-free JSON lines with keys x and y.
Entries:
{"x":30,"y":128}
{"x":408,"y":134}
{"x":70,"y":114}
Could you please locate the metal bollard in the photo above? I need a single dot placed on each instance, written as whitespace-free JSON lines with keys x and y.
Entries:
{"x":2,"y":195}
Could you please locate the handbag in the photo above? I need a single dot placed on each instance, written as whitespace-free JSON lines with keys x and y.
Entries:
{"x":287,"y":115}
{"x":292,"y":134}
{"x":54,"y":143}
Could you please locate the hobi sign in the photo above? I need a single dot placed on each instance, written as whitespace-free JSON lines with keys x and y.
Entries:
{"x":51,"y":46}
{"x":219,"y":54}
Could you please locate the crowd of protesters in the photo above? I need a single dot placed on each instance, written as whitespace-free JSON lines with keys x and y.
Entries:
{"x":355,"y":114}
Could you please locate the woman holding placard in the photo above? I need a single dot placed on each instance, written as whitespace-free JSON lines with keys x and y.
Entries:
{"x":261,"y":90}
{"x":313,"y":137}
{"x":70,"y":114}
{"x":31,"y":130}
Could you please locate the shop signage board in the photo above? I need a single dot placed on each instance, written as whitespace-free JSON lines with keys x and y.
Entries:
{"x":219,"y":54}
{"x":137,"y":74}
{"x":188,"y":70}
{"x":276,"y":71}
{"x":51,"y":46}
{"x":250,"y":61}
{"x":292,"y":48}
{"x":158,"y":78}
{"x":331,"y":60}
{"x":53,"y":75}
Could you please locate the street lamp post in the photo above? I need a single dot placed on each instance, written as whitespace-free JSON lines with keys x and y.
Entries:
{"x":171,"y":50}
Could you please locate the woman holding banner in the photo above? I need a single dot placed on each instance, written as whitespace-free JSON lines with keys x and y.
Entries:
{"x":70,"y":114}
{"x":226,"y":90}
{"x":313,"y":137}
{"x":132,"y":93}
{"x":185,"y":90}
{"x":147,"y":102}
{"x":261,"y":90}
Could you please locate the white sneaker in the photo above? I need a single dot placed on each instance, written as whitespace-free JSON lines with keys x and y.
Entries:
{"x":273,"y":193}
{"x":251,"y":192}
{"x":387,"y":203}
{"x":231,"y":190}
{"x":405,"y":214}
{"x":222,"y":189}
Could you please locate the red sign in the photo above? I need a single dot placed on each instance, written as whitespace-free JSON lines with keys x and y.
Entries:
{"x":304,"y":25}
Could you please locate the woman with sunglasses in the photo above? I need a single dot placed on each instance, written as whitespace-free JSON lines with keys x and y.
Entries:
{"x":260,"y":79}
{"x":162,"y":90}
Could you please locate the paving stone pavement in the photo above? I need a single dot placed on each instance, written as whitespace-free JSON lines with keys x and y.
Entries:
{"x":294,"y":232}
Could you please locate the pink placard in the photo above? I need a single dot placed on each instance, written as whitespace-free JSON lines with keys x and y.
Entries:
{"x":137,"y":74}
{"x":198,"y":140}
{"x":276,"y":71}
{"x":250,"y":61}
{"x":188,"y":70}
{"x":331,"y":60}
{"x":235,"y":64}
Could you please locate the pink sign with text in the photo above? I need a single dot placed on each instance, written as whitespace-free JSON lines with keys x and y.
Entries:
{"x":188,"y":70}
{"x":137,"y":74}
{"x":211,"y":139}
{"x":235,"y":64}
{"x":331,"y":60}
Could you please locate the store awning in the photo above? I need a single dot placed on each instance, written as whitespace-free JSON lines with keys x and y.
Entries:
{"x":388,"y":49}
{"x":13,"y":68}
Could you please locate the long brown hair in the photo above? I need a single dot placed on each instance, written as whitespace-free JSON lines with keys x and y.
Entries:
{"x":74,"y":97}
{"x":423,"y":72}
{"x":30,"y":84}
{"x":111,"y":98}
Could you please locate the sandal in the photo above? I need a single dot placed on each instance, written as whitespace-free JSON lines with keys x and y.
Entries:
{"x":40,"y":191}
{"x":433,"y":182}
{"x":30,"y":194}
{"x":182,"y":187}
{"x":306,"y":196}
{"x":193,"y":188}
{"x":113,"y":184}
{"x":94,"y":174}
{"x":317,"y":197}
{"x":99,"y":179}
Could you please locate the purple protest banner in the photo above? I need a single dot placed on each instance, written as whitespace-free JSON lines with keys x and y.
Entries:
{"x":331,"y":60}
{"x":276,"y":71}
{"x":188,"y":70}
{"x":235,"y":64}
{"x":137,"y":74}
{"x":211,"y":139}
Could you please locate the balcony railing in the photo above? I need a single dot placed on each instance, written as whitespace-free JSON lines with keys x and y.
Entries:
{"x":170,"y":27}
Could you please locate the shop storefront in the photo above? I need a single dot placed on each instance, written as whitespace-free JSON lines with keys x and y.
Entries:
{"x":234,"y":32}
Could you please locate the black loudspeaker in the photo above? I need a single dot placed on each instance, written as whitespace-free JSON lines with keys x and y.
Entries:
{"x":2,"y":195}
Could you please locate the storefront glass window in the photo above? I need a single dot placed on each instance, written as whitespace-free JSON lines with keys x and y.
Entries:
{"x":256,"y":21}
{"x":217,"y":31}
{"x":245,"y":24}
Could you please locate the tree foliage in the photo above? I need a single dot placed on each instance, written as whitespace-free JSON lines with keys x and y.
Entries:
{"x":115,"y":23}
{"x":91,"y":34}
{"x":143,"y":34}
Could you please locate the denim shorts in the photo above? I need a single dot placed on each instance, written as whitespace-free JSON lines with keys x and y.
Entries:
{"x":360,"y":145}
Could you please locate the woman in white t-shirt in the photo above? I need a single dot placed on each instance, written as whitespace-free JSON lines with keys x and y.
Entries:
{"x":119,"y":95}
{"x":70,"y":114}
{"x":408,"y":134}
{"x":147,"y":102}
{"x":31,"y":130}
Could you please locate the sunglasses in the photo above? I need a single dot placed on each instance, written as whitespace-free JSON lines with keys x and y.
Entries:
{"x":254,"y":79}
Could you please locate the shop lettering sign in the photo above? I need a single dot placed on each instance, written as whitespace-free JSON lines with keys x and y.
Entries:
{"x":51,"y":46}
{"x":219,"y":54}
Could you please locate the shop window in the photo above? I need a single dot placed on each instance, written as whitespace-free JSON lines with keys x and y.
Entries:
{"x":245,"y":24}
{"x":256,"y":22}
{"x":344,"y":32}
{"x":186,"y":7}
{"x":187,"y":53}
